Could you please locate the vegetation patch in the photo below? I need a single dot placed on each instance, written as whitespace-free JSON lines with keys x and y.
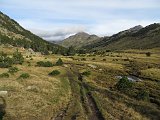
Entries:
{"x":59,"y":62}
{"x":86,"y":73}
{"x":124,"y":84}
{"x":4,"y":75}
{"x":54,"y":73}
{"x":143,"y":95}
{"x":24,"y":76}
{"x":45,"y":64}
{"x":13,"y":70}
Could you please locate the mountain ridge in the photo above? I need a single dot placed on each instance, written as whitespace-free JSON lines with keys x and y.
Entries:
{"x":144,"y":38}
{"x":14,"y":34}
{"x":78,"y":40}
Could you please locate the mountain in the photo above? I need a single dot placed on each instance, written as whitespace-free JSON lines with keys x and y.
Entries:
{"x":12,"y":33}
{"x":78,"y":40}
{"x":134,"y":38}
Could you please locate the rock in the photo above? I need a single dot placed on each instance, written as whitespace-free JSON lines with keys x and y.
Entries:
{"x":32,"y":88}
{"x":92,"y":66}
{"x":3,"y":93}
{"x":65,"y":65}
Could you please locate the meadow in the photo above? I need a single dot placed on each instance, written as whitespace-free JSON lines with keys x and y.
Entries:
{"x":85,"y":88}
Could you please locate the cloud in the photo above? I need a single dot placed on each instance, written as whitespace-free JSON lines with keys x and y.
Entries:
{"x":59,"y":34}
{"x":57,"y":19}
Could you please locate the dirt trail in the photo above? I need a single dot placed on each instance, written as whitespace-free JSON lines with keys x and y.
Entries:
{"x":90,"y":104}
{"x":96,"y":114}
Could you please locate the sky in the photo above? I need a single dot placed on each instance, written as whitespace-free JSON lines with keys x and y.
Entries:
{"x":58,"y":19}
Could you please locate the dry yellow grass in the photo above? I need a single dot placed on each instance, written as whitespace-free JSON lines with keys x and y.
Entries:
{"x":152,"y":73}
{"x":38,"y":97}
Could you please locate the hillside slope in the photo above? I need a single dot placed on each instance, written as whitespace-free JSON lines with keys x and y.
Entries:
{"x":78,"y":40}
{"x":12,"y":33}
{"x":144,"y":38}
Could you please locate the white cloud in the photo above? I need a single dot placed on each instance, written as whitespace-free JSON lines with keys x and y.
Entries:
{"x":56,"y":19}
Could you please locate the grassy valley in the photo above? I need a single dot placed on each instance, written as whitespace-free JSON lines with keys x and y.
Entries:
{"x":117,"y":78}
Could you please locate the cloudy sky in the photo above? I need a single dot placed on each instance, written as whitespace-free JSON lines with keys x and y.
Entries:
{"x":57,"y":19}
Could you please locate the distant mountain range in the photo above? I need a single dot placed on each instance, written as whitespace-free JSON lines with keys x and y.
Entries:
{"x":133,"y":38}
{"x":12,"y":33}
{"x":78,"y":40}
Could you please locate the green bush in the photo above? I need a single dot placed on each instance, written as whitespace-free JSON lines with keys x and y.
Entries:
{"x":86,"y":73}
{"x":83,"y":59}
{"x":13,"y":70}
{"x":143,"y":95}
{"x":148,"y":54}
{"x":45,"y":64}
{"x":59,"y":62}
{"x":24,"y":76}
{"x":93,"y":58}
{"x":104,"y":59}
{"x":124,"y":84}
{"x":5,"y":61}
{"x":17,"y":58}
{"x":4,"y":75}
{"x":54,"y":73}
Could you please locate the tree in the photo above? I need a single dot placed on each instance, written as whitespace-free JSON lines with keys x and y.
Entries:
{"x":59,"y":62}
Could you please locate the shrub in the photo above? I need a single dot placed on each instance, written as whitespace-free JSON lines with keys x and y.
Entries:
{"x":148,"y":54}
{"x":54,"y":73}
{"x":104,"y":59}
{"x":143,"y":95}
{"x":59,"y":62}
{"x":83,"y":59}
{"x":13,"y":70}
{"x":124,"y":84}
{"x":93,"y":58}
{"x":18,"y":58}
{"x":86,"y":73}
{"x":24,"y":76}
{"x":5,"y":61}
{"x":4,"y":75}
{"x":44,"y":64}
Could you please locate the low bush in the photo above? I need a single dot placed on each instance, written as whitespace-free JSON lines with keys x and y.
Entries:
{"x":24,"y":76}
{"x":54,"y":73}
{"x":86,"y":73}
{"x":4,"y":75}
{"x":143,"y":95}
{"x":148,"y":54}
{"x":5,"y":61}
{"x":17,"y":58}
{"x":104,"y":59}
{"x":59,"y":62}
{"x":45,"y":64}
{"x":93,"y":58}
{"x":13,"y":70}
{"x":124,"y":84}
{"x":83,"y":59}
